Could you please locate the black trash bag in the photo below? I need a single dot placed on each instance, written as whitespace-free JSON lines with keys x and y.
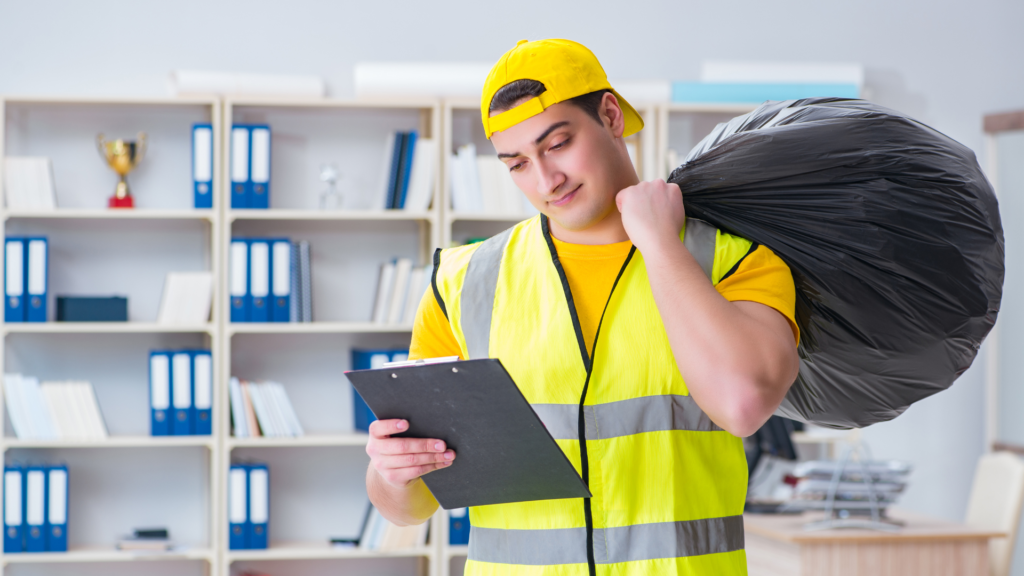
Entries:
{"x":891,"y":231}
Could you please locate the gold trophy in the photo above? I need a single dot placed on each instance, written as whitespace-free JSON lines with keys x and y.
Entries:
{"x":122,"y":156}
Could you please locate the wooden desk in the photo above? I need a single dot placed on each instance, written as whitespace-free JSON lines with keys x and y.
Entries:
{"x":777,"y":545}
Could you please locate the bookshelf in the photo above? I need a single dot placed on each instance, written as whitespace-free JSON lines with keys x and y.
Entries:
{"x":128,"y":479}
{"x":131,"y":479}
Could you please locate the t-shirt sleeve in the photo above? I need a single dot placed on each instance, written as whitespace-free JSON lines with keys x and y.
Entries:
{"x":764,"y":278}
{"x":432,"y":335}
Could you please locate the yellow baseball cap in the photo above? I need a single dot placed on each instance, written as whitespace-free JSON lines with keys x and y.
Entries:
{"x":567,"y":69}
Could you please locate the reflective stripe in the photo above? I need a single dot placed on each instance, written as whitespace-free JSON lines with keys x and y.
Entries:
{"x":611,"y":545}
{"x":478,"y":294}
{"x":625,"y":417}
{"x":700,"y":238}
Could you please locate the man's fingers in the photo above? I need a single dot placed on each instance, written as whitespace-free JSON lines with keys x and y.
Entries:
{"x":402,"y":476}
{"x":393,"y":446}
{"x":385,"y":428}
{"x":413,"y":460}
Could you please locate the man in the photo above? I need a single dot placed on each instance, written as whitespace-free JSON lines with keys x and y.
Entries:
{"x":648,"y":344}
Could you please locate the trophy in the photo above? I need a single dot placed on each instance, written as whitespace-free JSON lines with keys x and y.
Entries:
{"x":122,"y":156}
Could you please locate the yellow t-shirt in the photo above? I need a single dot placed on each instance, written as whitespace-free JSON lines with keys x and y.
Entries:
{"x":591,"y":270}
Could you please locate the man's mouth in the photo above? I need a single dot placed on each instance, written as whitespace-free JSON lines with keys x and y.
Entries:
{"x":566,"y":198}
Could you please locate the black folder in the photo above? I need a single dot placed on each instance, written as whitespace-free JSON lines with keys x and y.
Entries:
{"x":503,"y":451}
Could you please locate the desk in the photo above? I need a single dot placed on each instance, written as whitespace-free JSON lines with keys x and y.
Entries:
{"x":777,"y":545}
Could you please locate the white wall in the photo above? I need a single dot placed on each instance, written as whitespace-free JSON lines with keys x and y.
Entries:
{"x":945,"y":62}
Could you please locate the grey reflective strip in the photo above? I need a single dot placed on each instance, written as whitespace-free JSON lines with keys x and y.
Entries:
{"x":478,"y":289}
{"x":699,"y":238}
{"x":611,"y":545}
{"x":625,"y":417}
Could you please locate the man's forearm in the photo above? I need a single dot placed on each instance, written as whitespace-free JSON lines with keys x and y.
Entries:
{"x":413,"y":504}
{"x":732,"y":357}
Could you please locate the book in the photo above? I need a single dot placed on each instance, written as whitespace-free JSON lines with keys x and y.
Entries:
{"x":53,"y":410}
{"x":305,"y":283}
{"x":419,"y":280}
{"x":238,"y":415}
{"x":423,"y":176}
{"x":403,"y":271}
{"x":385,"y":286}
{"x":28,"y":183}
{"x":186,"y":298}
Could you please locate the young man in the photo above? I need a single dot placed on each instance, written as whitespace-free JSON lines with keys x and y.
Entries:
{"x":647,"y":343}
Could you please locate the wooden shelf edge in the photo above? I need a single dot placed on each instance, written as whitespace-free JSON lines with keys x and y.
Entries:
{"x":52,"y":327}
{"x":298,"y":441}
{"x":115,"y":442}
{"x":333,"y":215}
{"x":103,"y":554}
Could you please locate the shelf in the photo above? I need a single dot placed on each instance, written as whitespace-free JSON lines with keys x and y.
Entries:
{"x":105,"y":554}
{"x":114,"y":442}
{"x":101,"y":328}
{"x":315,"y":550}
{"x":471,"y":217}
{"x":275,"y":214}
{"x":110,"y":214}
{"x":296,"y":441}
{"x":316,"y":328}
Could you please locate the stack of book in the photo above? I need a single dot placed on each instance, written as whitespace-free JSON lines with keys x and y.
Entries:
{"x":858,"y":484}
{"x":407,"y":179}
{"x":270,"y":280}
{"x":381,"y":535}
{"x":250,"y":166}
{"x":483,"y":185}
{"x":362,"y":416}
{"x":262,"y":409}
{"x":53,"y":410}
{"x":248,"y":506}
{"x":35,"y":509}
{"x":399,"y":289}
{"x":25,"y":279}
{"x":180,"y":392}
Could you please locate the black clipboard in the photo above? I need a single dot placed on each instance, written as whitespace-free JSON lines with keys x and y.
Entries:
{"x":503,"y":451}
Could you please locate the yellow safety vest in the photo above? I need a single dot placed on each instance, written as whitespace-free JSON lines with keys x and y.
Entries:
{"x":668,"y":484}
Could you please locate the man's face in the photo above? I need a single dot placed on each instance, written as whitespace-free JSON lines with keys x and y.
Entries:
{"x":567,"y":164}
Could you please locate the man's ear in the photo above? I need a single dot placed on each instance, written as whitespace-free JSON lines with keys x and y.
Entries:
{"x":611,"y":114}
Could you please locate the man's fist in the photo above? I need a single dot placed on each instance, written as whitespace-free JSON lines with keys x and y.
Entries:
{"x":652,"y":213}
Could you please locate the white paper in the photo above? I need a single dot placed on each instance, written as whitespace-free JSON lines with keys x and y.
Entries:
{"x":160,"y":384}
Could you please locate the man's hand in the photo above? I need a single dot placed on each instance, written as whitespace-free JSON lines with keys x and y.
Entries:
{"x":652,"y":213}
{"x":399,"y":461}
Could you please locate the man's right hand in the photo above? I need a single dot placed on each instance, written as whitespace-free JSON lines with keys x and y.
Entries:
{"x":399,"y":461}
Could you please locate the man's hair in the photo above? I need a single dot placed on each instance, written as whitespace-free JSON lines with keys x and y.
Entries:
{"x":508,"y":95}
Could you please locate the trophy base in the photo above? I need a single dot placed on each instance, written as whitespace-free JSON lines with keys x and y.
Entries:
{"x":126,"y":202}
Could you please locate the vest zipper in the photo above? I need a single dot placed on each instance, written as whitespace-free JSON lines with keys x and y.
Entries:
{"x":588,"y":363}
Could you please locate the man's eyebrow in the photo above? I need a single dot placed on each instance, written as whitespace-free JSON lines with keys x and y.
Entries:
{"x":539,"y":139}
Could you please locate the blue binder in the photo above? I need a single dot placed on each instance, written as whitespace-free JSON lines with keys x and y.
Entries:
{"x":239,"y":528}
{"x":181,"y":393}
{"x":14,"y":506}
{"x":280,"y":279}
{"x":160,"y":393}
{"x":36,"y":279}
{"x":202,"y":392}
{"x":238,"y":280}
{"x":57,"y":509}
{"x":259,"y":504}
{"x":202,"y":164}
{"x":259,"y":166}
{"x":259,"y":280}
{"x":35,"y":509}
{"x":366,"y":360}
{"x":240,"y":159}
{"x":458,"y":527}
{"x":408,"y":150}
{"x":14,"y":280}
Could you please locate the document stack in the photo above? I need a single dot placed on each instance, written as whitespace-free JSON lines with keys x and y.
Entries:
{"x":248,"y":506}
{"x":407,"y":179}
{"x":53,"y":410}
{"x":270,"y":280}
{"x":28,"y":183}
{"x":483,"y":185}
{"x":250,"y":166}
{"x":202,"y":165}
{"x":25,"y":279}
{"x":180,"y":392}
{"x":35,"y":509}
{"x":458,"y":527}
{"x":400,"y":287}
{"x":853,"y":486}
{"x":362,"y":416}
{"x":380,"y":535}
{"x":262,"y":409}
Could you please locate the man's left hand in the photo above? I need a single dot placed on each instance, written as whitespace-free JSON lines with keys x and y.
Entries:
{"x":652,"y":213}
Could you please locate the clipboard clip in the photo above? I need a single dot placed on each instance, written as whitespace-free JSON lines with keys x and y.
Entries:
{"x":420,"y":362}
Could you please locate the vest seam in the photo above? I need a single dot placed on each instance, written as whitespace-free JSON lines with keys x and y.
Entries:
{"x":433,"y":284}
{"x":753,"y":246}
{"x":577,"y":327}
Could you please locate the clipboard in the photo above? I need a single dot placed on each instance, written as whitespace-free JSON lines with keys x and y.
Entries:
{"x":503,"y":451}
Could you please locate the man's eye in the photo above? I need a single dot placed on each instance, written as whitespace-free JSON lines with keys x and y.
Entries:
{"x":515,"y":168}
{"x":560,"y":144}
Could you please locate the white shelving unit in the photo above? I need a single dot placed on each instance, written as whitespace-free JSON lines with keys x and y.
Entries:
{"x":129,"y":479}
{"x":133,"y":480}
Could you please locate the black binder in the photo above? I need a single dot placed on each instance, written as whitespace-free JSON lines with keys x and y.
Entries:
{"x":503,"y":451}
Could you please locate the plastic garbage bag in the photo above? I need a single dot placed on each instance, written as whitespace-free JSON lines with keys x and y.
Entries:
{"x":891,"y":231}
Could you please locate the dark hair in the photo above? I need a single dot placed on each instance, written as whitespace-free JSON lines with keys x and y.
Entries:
{"x":508,"y":95}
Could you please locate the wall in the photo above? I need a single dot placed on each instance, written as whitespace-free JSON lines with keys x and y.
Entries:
{"x":942,"y":61}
